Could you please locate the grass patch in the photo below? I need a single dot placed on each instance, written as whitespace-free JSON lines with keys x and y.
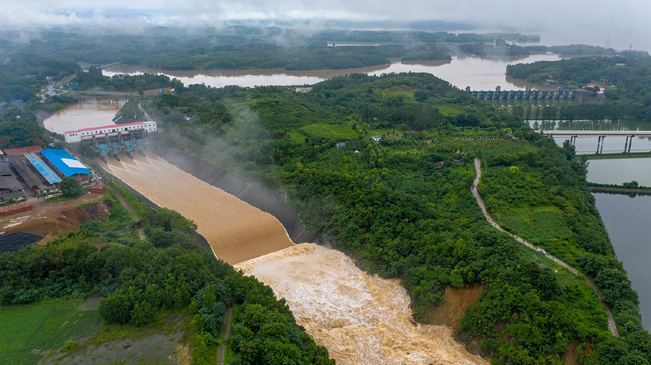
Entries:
{"x":139,"y":207}
{"x":28,"y":332}
{"x":448,"y":110}
{"x":536,"y":225}
{"x":167,"y":322}
{"x":543,"y":227}
{"x":170,"y":324}
{"x":119,"y":220}
{"x":329,"y":131}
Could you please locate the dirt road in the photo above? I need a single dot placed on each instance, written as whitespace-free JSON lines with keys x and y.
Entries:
{"x":223,"y":336}
{"x":612,"y":325}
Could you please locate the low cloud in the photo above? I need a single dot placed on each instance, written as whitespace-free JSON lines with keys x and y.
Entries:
{"x":571,"y":20}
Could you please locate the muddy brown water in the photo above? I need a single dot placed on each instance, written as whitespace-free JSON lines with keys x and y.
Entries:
{"x":235,"y":230}
{"x":87,"y":114}
{"x":360,"y":319}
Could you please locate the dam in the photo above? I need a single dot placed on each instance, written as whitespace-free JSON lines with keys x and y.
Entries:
{"x":359,"y":318}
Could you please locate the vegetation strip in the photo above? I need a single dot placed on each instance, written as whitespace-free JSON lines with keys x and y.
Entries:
{"x":612,"y":325}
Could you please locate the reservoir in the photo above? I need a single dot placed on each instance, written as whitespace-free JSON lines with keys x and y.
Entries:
{"x":624,"y":217}
{"x":88,"y":114}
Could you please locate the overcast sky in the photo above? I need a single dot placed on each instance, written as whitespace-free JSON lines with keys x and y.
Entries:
{"x":558,"y":21}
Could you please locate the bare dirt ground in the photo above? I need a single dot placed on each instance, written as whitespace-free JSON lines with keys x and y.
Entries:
{"x":45,"y":220}
{"x":452,"y":308}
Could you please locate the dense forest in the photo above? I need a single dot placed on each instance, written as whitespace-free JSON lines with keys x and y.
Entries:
{"x":143,"y":282}
{"x":94,"y":80}
{"x":403,"y":206}
{"x":625,"y":78}
{"x":240,"y":47}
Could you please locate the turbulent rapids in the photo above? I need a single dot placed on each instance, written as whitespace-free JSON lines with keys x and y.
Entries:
{"x":360,"y":319}
{"x":235,"y":230}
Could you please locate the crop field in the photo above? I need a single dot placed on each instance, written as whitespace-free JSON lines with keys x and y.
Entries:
{"x":485,"y":146}
{"x":28,"y":332}
{"x":345,"y":162}
{"x":536,"y":225}
{"x":543,"y":227}
{"x":329,"y":131}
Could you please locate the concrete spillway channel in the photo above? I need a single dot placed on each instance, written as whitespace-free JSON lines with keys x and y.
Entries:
{"x":216,"y":201}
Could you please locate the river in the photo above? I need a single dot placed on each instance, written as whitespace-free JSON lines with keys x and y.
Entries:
{"x":626,"y":218}
{"x":361,"y":319}
{"x":627,"y":221}
{"x":476,"y":72}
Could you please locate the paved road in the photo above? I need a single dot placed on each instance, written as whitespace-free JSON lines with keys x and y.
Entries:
{"x":612,"y":325}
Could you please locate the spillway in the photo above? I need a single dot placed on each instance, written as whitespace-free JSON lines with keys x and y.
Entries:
{"x":235,"y":230}
{"x":360,"y":319}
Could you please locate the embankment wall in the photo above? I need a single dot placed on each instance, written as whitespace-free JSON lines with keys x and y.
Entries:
{"x":262,"y":198}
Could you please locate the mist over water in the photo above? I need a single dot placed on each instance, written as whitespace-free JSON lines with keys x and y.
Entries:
{"x":476,"y":72}
{"x":361,"y":319}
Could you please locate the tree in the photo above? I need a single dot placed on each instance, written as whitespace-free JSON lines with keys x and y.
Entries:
{"x":514,"y":169}
{"x":70,"y":187}
{"x":142,"y":314}
{"x":570,"y":150}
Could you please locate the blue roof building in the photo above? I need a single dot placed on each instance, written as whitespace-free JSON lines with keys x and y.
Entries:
{"x":64,"y":162}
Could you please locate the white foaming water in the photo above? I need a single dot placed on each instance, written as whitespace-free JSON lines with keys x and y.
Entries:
{"x":360,"y":319}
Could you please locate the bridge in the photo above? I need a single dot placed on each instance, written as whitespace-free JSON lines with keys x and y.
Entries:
{"x":523,"y":95}
{"x":601,"y":134}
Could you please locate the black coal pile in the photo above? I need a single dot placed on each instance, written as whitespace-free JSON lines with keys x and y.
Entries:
{"x":17,"y":240}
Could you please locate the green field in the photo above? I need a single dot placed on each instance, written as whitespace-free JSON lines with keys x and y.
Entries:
{"x":29,"y":332}
{"x":486,"y":146}
{"x":329,"y":131}
{"x":536,"y":225}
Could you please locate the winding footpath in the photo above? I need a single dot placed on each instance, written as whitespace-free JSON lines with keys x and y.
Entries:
{"x":612,"y":325}
{"x":223,"y":337}
{"x":126,"y":206}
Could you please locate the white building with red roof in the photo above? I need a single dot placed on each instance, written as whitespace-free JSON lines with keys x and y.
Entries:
{"x":76,"y":136}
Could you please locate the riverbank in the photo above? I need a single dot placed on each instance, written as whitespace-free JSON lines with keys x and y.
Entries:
{"x":618,"y":189}
{"x":612,"y":325}
{"x":612,"y":156}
